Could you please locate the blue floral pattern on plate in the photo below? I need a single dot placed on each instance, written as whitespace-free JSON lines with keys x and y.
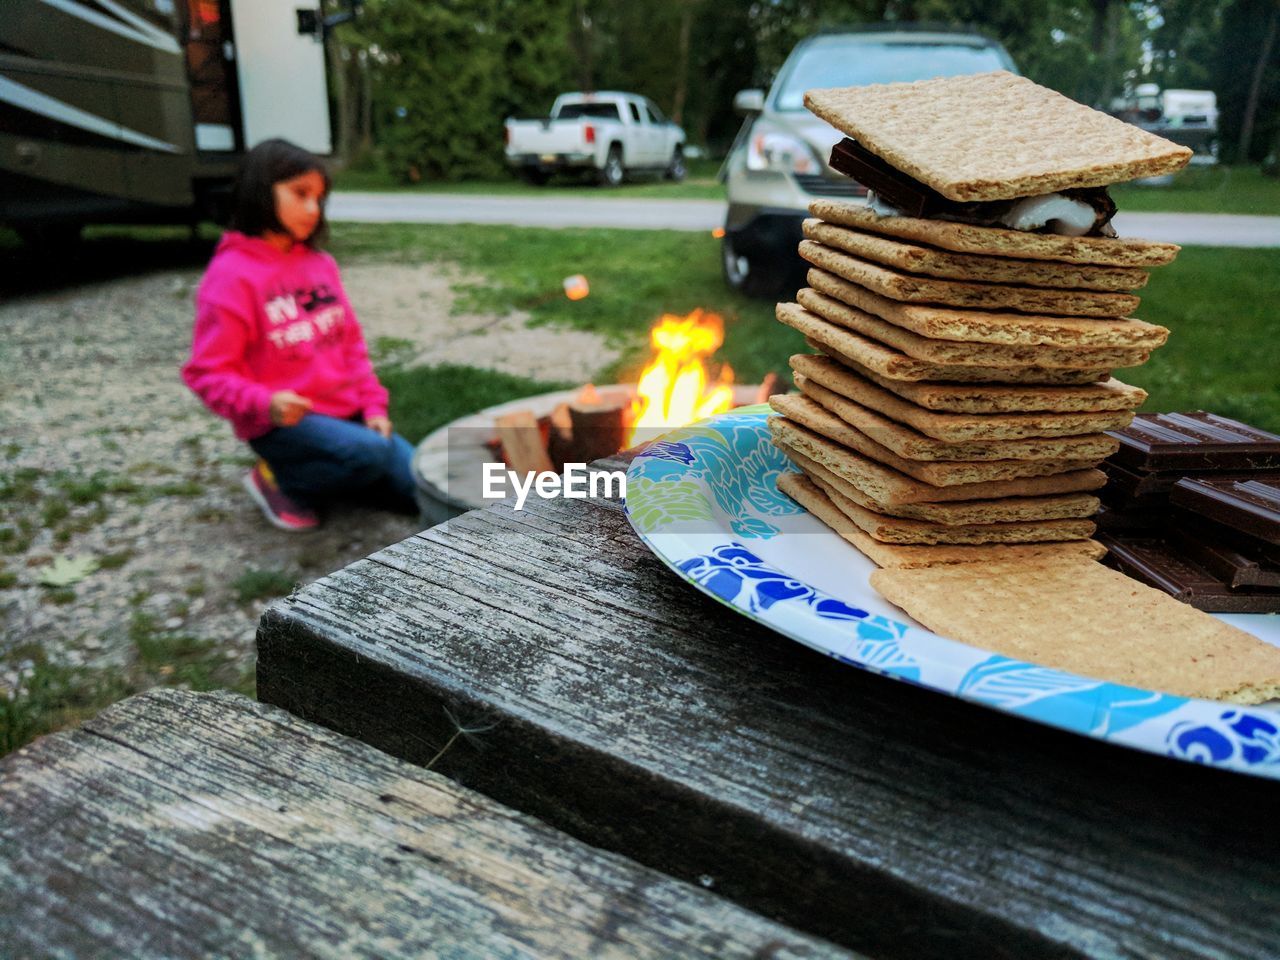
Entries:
{"x":732,"y":466}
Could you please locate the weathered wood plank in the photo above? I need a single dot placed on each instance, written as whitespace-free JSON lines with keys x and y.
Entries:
{"x":179,"y":824}
{"x":632,"y":711}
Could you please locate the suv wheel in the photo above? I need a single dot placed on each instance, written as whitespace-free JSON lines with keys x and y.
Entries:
{"x":752,"y":276}
{"x":676,"y":169}
{"x":613,"y":172}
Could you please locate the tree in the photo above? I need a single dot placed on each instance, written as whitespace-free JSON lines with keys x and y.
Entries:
{"x":687,"y":10}
{"x":446,"y":74}
{"x":1255,"y":86}
{"x":346,"y":63}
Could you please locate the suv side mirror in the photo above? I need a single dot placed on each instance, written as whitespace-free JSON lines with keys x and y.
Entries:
{"x":749,"y":101}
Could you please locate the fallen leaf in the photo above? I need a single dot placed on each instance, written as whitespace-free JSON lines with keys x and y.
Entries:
{"x":64,"y":571}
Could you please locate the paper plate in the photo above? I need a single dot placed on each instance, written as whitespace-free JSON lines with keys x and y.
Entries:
{"x":704,"y":499}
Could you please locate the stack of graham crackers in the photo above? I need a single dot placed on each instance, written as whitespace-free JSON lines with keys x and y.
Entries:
{"x":966,"y":323}
{"x":956,"y":407}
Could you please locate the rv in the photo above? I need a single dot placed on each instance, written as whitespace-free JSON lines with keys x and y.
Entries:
{"x":140,"y":110}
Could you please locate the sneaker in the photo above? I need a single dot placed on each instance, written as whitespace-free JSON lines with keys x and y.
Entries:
{"x":281,"y":511}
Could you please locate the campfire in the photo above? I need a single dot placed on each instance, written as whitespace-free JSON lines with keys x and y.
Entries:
{"x":673,"y":388}
{"x":679,"y":385}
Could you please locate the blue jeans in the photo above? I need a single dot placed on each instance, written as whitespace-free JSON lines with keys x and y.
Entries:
{"x":322,"y":459}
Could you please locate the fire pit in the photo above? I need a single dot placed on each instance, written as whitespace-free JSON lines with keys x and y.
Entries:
{"x":449,"y":464}
{"x":543,"y":433}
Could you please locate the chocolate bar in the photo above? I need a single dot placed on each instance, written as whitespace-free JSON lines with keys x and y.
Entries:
{"x":1182,"y":442}
{"x":1130,"y":519}
{"x":1129,"y":489}
{"x":1156,"y":562}
{"x":906,"y":193}
{"x":1232,"y":559}
{"x":1251,"y":505}
{"x":1126,"y":486}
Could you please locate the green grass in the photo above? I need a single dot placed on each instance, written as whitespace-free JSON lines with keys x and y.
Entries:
{"x":180,"y":488}
{"x":178,"y":659}
{"x":20,"y":486}
{"x":1222,"y":307}
{"x":1206,"y":190}
{"x":1220,"y":304}
{"x":51,"y":696}
{"x":424,"y":398}
{"x":114,"y":561}
{"x":255,"y":584}
{"x":699,"y":185}
{"x":635,"y":277}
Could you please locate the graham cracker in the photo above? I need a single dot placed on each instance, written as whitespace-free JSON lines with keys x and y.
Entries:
{"x":914,"y":258}
{"x":887,"y":529}
{"x":907,"y":287}
{"x":932,"y":473}
{"x":962,"y":352}
{"x":984,"y":326}
{"x":984,"y":398}
{"x":913,"y":445}
{"x":1067,"y":506}
{"x":896,"y":365}
{"x":994,"y":136}
{"x":890,"y":487}
{"x":953,"y":427}
{"x":909,"y":557}
{"x":1088,"y":619}
{"x":998,"y":241}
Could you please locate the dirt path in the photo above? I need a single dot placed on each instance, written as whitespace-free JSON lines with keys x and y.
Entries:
{"x":106,"y":455}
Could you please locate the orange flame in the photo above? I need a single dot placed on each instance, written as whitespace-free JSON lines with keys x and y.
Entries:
{"x":673,"y":388}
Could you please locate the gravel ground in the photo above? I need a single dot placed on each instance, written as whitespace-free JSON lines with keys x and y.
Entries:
{"x":105,"y":454}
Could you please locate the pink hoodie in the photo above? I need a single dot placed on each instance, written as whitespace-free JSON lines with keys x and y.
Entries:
{"x":268,"y":321}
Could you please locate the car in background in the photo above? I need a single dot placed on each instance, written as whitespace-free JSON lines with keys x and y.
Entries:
{"x":607,"y":133}
{"x":779,"y":161}
{"x":1188,"y":117}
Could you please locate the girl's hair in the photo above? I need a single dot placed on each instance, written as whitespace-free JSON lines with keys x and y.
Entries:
{"x":253,"y":203}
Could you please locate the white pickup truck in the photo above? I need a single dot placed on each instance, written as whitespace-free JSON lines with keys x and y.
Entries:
{"x":610,"y":133}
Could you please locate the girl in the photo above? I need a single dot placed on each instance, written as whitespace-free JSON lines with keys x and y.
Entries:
{"x":277,"y":351}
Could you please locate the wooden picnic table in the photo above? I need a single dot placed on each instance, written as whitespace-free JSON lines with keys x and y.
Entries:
{"x":548,"y":659}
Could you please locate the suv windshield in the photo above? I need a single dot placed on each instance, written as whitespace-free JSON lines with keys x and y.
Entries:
{"x":849,"y":62}
{"x":601,"y":111}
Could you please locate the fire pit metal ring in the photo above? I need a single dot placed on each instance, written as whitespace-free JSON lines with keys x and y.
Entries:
{"x":449,"y":474}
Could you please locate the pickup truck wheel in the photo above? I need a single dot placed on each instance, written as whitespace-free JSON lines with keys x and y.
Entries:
{"x":676,"y":169}
{"x":613,"y":172}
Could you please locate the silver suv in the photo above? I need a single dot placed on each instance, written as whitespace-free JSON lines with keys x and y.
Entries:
{"x":778,"y":163}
